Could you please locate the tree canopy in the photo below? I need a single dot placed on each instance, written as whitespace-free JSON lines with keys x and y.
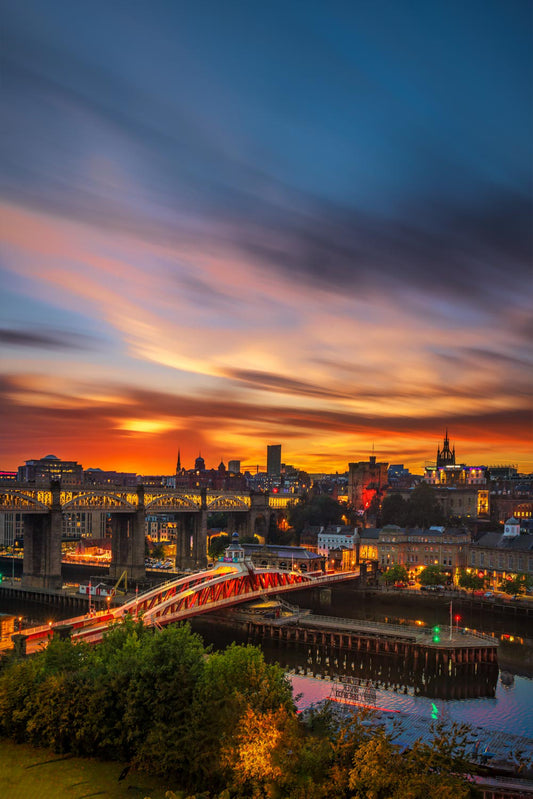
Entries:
{"x":431,"y":575}
{"x":422,"y":509}
{"x":217,"y":545}
{"x":516,"y":585}
{"x":221,"y":723}
{"x":396,"y":574}
{"x":471,"y":580}
{"x":319,"y":510}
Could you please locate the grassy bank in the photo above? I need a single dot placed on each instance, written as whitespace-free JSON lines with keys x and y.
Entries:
{"x":29,"y":773}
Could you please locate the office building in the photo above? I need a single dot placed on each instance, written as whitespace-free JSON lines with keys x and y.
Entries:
{"x":274,"y":461}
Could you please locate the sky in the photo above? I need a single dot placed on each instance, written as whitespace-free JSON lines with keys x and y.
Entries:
{"x":228,"y":225}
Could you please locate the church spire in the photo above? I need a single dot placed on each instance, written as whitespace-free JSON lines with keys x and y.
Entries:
{"x":178,"y":464}
{"x":446,"y":457}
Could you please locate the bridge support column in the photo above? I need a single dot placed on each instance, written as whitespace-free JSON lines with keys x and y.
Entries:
{"x":127,"y":543}
{"x":42,"y":546}
{"x":199,"y":546}
{"x":259,"y":512}
{"x":183,"y":547}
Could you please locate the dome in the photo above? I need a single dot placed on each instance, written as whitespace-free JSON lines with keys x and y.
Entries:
{"x":50,"y":458}
{"x":199,"y":464}
{"x":234,"y":542}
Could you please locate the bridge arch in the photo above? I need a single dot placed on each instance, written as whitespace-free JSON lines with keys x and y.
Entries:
{"x":20,"y":500}
{"x":95,"y":500}
{"x":225,"y":503}
{"x":170,"y":503}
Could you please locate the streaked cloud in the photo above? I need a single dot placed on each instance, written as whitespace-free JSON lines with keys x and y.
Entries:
{"x":46,"y":339}
{"x":328,"y":248}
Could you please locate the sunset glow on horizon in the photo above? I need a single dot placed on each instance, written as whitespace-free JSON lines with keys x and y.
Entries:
{"x":227,"y":227}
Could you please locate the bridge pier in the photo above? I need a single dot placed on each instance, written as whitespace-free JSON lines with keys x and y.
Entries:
{"x":185,"y":542}
{"x":259,"y":515}
{"x":199,"y":546}
{"x":127,"y":543}
{"x":42,"y":546}
{"x":182,"y":543}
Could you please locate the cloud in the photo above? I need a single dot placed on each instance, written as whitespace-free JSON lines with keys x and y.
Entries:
{"x":47,"y":340}
{"x":302,"y":251}
{"x":228,"y":426}
{"x":280,"y":384}
{"x":164,"y":176}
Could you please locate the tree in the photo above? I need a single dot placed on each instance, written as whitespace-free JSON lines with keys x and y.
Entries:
{"x":431,"y":575}
{"x":423,"y":509}
{"x":394,"y":510}
{"x":319,"y":510}
{"x":382,"y":771}
{"x":396,"y":574}
{"x":233,"y":683}
{"x":471,"y":580}
{"x":517,"y":585}
{"x":217,"y":545}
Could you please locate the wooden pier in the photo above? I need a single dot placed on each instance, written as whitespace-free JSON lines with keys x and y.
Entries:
{"x":441,"y":651}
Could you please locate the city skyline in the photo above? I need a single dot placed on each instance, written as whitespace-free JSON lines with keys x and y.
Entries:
{"x":228,"y":227}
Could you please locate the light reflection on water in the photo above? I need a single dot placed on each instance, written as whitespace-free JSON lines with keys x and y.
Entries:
{"x":511,"y":710}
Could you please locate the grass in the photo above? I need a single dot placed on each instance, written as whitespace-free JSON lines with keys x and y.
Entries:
{"x":30,"y":773}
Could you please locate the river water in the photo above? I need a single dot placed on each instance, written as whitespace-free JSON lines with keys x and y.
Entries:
{"x":509,"y":709}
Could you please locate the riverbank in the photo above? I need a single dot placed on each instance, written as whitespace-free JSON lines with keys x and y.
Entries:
{"x":26,"y":771}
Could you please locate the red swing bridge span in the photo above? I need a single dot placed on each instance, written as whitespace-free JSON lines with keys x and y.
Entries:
{"x":224,"y":586}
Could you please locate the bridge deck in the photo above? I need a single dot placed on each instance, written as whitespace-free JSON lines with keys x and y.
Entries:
{"x":179,"y":599}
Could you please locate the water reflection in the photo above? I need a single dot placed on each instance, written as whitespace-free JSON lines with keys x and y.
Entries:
{"x":388,"y":672}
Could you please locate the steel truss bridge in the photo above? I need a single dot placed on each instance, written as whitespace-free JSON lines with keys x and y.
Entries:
{"x":43,"y":508}
{"x":24,"y":498}
{"x":177,"y":600}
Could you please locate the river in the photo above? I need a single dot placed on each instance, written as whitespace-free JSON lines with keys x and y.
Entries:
{"x":510,"y":709}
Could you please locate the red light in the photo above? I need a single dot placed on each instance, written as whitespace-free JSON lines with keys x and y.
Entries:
{"x":457,"y":619}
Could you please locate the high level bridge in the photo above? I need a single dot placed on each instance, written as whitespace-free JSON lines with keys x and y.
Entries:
{"x":177,"y":600}
{"x":42,"y":510}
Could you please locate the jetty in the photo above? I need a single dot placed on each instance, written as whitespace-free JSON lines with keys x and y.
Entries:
{"x":441,"y":647}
